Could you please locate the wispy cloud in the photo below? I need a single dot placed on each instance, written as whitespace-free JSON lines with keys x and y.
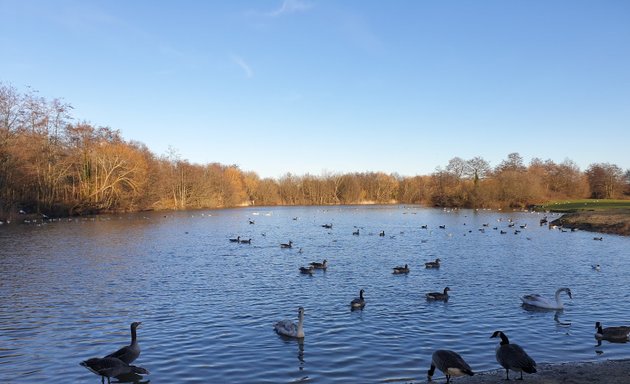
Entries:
{"x":291,"y":6}
{"x":249,"y":73}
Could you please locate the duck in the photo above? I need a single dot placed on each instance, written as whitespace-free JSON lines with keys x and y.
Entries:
{"x":306,"y":270}
{"x":356,"y":233}
{"x":248,"y":241}
{"x":598,"y":238}
{"x":400,"y":270}
{"x":322,"y":265}
{"x":382,"y":233}
{"x":289,"y":328}
{"x":129,"y":353}
{"x":512,"y":356}
{"x":536,"y":300}
{"x":238,"y":239}
{"x":443,"y":296}
{"x":620,"y":333}
{"x":450,"y":363}
{"x":358,"y":302}
{"x":109,"y":367}
{"x":433,"y":264}
{"x":442,"y":226}
{"x":287,"y":245}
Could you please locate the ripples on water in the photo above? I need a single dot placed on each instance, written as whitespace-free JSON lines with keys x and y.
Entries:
{"x":69,"y":290}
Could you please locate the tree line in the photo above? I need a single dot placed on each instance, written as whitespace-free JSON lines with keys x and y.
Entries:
{"x":50,"y":164}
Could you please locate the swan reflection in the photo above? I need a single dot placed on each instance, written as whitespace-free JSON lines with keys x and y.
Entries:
{"x":556,"y":313}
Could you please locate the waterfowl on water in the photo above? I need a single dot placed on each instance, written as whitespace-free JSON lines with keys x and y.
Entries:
{"x":238,"y":238}
{"x":596,"y":267}
{"x":129,"y":353}
{"x":289,"y":328}
{"x":536,"y":300}
{"x":287,"y":245}
{"x":327,"y":226}
{"x":322,"y":265}
{"x":248,"y":241}
{"x":598,"y":238}
{"x":450,"y":363}
{"x":620,"y":333}
{"x":358,"y":302}
{"x":433,"y":264}
{"x":108,"y":367}
{"x":356,"y":233}
{"x":400,"y":270}
{"x":443,"y":296}
{"x":306,"y":270}
{"x":512,"y":356}
{"x":382,"y":233}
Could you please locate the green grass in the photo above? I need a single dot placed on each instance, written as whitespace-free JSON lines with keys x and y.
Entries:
{"x":584,"y":205}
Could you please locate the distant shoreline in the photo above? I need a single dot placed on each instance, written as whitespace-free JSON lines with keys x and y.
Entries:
{"x":615,"y":221}
{"x":604,"y":372}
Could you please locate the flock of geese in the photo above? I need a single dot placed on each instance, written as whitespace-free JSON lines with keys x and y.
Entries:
{"x":510,"y":356}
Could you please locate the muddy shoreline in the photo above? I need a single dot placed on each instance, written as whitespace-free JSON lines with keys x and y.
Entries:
{"x":615,"y":222}
{"x":604,"y":372}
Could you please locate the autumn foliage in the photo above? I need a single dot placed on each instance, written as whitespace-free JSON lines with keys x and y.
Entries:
{"x":53,"y":165}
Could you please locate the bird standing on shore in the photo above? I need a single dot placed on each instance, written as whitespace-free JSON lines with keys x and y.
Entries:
{"x":512,"y":356}
{"x":450,"y":363}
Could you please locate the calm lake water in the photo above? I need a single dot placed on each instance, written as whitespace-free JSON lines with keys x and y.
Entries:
{"x":69,"y":290}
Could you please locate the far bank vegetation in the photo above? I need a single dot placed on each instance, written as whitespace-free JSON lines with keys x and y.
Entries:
{"x":51,"y":164}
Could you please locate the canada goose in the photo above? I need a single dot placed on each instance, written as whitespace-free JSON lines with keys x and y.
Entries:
{"x":442,"y":226}
{"x":287,"y":245}
{"x":306,"y":270}
{"x":450,"y":363}
{"x":596,"y":267}
{"x":611,"y":333}
{"x":443,"y":296}
{"x":382,"y":233}
{"x":288,"y":327}
{"x":251,"y":221}
{"x":358,"y":302}
{"x":535,"y":300}
{"x":433,"y":264}
{"x":327,"y":226}
{"x":111,"y":367}
{"x":248,"y":241}
{"x":512,"y":356}
{"x":129,"y":353}
{"x":238,"y":238}
{"x":424,"y":226}
{"x":322,"y":265}
{"x":598,"y":238}
{"x":399,"y":270}
{"x":356,"y":233}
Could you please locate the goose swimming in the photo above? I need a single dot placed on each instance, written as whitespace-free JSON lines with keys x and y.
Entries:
{"x":620,"y":333}
{"x":450,"y":363}
{"x":322,"y":265}
{"x":358,"y":302}
{"x":512,"y":356}
{"x":433,"y":264}
{"x":236,"y":240}
{"x":288,"y":327}
{"x":401,"y":270}
{"x":443,"y":296}
{"x":111,"y":367}
{"x":536,"y":300}
{"x":306,"y":270}
{"x":287,"y":245}
{"x":129,"y":353}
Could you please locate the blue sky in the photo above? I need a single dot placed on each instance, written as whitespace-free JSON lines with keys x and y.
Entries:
{"x":335,"y":86}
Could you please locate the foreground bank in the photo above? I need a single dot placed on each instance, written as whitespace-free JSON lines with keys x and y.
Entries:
{"x":606,"y":372}
{"x":613,"y":221}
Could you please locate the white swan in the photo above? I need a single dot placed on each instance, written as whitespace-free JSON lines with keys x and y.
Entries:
{"x":536,"y":300}
{"x":288,"y":327}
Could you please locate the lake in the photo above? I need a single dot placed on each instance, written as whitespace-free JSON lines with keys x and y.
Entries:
{"x":69,"y":290}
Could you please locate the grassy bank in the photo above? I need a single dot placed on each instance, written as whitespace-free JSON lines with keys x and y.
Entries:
{"x":605,"y":216}
{"x":566,"y":206}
